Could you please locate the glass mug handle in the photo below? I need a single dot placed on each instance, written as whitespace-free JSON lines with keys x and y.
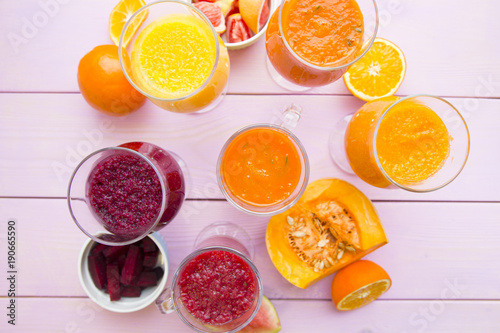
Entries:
{"x":164,"y":302}
{"x":290,"y":116}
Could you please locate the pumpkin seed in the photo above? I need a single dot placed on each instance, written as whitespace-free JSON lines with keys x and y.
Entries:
{"x":298,"y":234}
{"x":322,"y":242}
{"x":340,"y":254}
{"x":350,"y":248}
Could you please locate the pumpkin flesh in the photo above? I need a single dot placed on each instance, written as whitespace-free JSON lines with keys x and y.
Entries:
{"x":331,"y":226}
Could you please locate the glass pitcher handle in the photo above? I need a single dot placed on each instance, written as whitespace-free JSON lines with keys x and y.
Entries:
{"x":291,"y":116}
{"x":164,"y":302}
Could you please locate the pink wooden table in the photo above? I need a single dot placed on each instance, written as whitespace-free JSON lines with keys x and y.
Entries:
{"x":444,"y":249}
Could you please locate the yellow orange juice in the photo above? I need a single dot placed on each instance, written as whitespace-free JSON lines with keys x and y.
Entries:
{"x":412,"y":142}
{"x":174,"y":59}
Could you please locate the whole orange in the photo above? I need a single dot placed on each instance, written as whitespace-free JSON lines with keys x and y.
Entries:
{"x":359,"y":284}
{"x":103,"y":84}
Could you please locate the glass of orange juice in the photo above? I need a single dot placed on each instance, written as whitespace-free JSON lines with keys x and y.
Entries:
{"x":419,"y":143}
{"x":175,"y":58}
{"x":311,"y":44}
{"x":263,"y":169}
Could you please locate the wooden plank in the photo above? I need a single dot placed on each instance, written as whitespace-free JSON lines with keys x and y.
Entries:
{"x":82,"y":315}
{"x":44,"y":136}
{"x":439,"y":59}
{"x":433,"y":248}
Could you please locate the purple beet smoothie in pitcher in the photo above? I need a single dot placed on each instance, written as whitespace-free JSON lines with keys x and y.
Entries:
{"x":125,"y":191}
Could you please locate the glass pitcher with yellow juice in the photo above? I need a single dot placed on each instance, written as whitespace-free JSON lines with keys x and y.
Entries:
{"x":418,"y":143}
{"x":177,"y":59}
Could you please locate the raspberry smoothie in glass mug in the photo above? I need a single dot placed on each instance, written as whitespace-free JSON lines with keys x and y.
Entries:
{"x":216,"y":288}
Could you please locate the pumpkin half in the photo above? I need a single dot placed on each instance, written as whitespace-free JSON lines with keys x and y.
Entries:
{"x":332,"y":225}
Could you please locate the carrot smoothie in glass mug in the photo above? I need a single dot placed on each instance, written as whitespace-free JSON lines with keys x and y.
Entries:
{"x":263,"y":168}
{"x":311,"y":43}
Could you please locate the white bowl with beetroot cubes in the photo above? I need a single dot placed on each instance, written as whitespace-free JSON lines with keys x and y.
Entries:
{"x":124,"y":278}
{"x":239,"y":23}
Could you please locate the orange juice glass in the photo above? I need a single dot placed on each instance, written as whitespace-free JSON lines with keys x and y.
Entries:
{"x":418,"y":143}
{"x":263,"y":169}
{"x":311,"y":44}
{"x":176,"y":58}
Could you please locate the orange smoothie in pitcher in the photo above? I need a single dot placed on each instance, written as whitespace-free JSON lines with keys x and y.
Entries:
{"x":261,"y":166}
{"x":326,"y":33}
{"x":174,"y":56}
{"x":412,"y":142}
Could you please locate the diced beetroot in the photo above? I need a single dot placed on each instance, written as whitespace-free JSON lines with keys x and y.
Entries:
{"x":113,"y":275}
{"x":159,"y":272}
{"x":121,"y":261}
{"x":148,"y":245}
{"x":113,"y":252}
{"x":147,"y":279}
{"x":98,"y":249}
{"x":133,"y":266}
{"x":131,"y":291}
{"x":97,"y":270}
{"x":150,"y":259}
{"x":123,"y":271}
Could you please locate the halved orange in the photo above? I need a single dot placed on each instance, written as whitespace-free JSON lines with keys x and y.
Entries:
{"x":255,"y":13}
{"x":378,"y":73}
{"x":358,"y":284}
{"x":120,"y":15}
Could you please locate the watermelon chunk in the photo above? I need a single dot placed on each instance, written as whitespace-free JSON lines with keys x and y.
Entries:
{"x":265,"y":321}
